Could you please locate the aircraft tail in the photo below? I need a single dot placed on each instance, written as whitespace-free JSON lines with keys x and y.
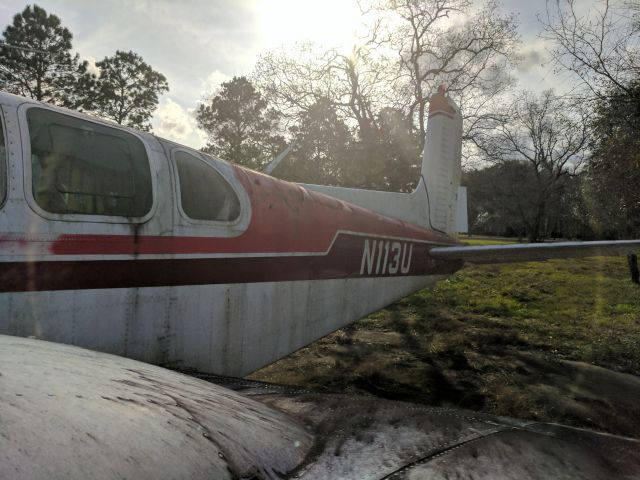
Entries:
{"x":441,"y":164}
{"x":434,"y":202}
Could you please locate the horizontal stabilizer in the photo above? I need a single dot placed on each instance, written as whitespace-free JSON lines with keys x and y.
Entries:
{"x":529,"y":252}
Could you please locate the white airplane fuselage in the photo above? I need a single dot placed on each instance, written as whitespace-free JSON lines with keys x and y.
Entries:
{"x":225,"y":297}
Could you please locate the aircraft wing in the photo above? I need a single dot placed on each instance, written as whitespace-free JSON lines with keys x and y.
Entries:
{"x":72,"y":413}
{"x":527,"y":252}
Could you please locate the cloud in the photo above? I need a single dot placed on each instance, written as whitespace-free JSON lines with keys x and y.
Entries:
{"x":212,"y":82}
{"x":184,"y":41}
{"x":533,"y":56}
{"x":176,"y":123}
{"x":92,"y":65}
{"x":530,"y":59}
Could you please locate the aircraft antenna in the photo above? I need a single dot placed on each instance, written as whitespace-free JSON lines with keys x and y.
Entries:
{"x":276,"y":161}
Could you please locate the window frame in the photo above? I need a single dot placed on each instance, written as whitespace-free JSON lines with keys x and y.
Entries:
{"x":5,"y":160}
{"x":80,"y":217}
{"x":241,"y":219}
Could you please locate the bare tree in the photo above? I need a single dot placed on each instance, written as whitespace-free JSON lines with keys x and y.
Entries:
{"x":599,"y":46}
{"x":451,"y":42}
{"x":549,"y":134}
{"x":410,"y":49}
{"x":296,"y":80}
{"x":355,"y":85}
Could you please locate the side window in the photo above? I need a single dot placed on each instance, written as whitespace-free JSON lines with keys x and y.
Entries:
{"x":3,"y":164}
{"x":86,"y":168}
{"x":204,"y":193}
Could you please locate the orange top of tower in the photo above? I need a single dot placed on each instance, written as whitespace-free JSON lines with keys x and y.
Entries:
{"x":440,"y":103}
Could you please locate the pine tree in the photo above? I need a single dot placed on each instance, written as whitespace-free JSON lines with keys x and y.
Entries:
{"x":127,"y":90}
{"x":240,"y":127}
{"x":321,"y":153}
{"x":36,"y":60}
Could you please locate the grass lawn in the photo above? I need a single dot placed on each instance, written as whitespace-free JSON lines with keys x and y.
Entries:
{"x":486,"y":241}
{"x":550,"y":341}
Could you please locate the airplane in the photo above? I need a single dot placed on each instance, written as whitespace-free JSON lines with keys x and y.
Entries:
{"x":123,"y":243}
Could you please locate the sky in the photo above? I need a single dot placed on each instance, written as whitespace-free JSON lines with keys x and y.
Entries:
{"x":197,"y":44}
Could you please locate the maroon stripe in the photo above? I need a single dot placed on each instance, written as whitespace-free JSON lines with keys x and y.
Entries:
{"x":344,"y":261}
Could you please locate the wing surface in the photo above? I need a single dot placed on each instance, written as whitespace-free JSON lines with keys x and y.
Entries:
{"x":528,"y":252}
{"x":68,"y":412}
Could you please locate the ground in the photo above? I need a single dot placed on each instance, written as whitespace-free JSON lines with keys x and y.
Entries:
{"x":555,"y":341}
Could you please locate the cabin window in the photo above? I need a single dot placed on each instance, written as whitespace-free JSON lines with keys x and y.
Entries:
{"x":80,"y":167}
{"x":204,"y":193}
{"x":3,"y":165}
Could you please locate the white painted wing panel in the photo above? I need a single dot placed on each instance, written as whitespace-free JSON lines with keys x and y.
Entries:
{"x":534,"y":251}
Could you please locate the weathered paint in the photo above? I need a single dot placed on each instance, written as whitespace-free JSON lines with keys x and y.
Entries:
{"x":218,"y":297}
{"x":370,"y":438}
{"x":71,"y":413}
{"x":229,"y":329}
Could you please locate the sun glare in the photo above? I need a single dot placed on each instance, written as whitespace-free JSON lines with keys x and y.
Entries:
{"x":330,"y":23}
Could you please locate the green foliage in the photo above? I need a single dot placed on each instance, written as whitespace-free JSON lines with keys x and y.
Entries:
{"x":600,"y":47}
{"x":322,"y":147}
{"x":615,"y":164}
{"x":391,"y":157}
{"x":127,"y":90}
{"x":500,"y":198}
{"x":239,"y":126}
{"x":37,"y":62}
{"x":327,"y":152}
{"x":503,"y":200}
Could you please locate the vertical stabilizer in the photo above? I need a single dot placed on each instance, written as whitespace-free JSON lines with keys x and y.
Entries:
{"x":434,"y":202}
{"x":441,"y":161}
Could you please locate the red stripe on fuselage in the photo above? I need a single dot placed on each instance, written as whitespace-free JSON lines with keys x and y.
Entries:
{"x":345,"y":260}
{"x":285,"y":218}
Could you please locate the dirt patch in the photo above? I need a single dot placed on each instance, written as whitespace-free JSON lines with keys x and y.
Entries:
{"x":511,"y":383}
{"x":498,"y":351}
{"x":578,"y":393}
